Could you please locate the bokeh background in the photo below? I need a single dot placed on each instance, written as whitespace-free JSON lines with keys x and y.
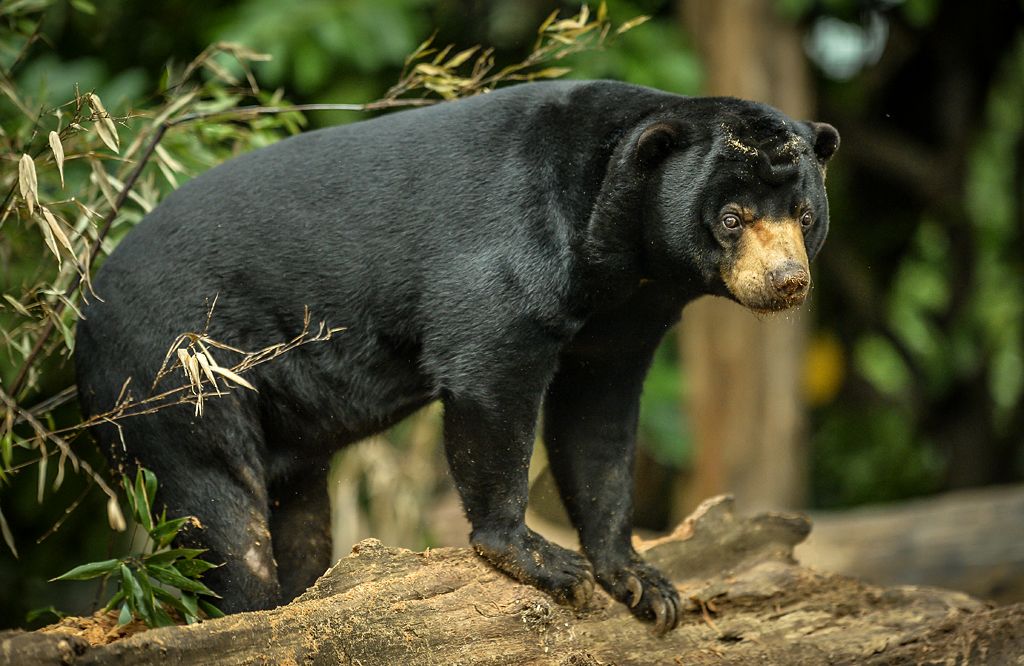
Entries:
{"x":902,"y":378}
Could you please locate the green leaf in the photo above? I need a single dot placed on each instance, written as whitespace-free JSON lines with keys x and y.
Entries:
{"x":134,"y":595}
{"x":169,"y":556}
{"x":149,"y":480}
{"x":194,"y":568}
{"x":143,"y":502}
{"x":189,"y":600}
{"x":84,"y":6}
{"x":37,"y":613}
{"x":129,"y":492}
{"x":125,"y":616}
{"x":7,"y":449}
{"x":5,"y":530}
{"x":90,"y":570}
{"x":114,"y":600}
{"x":163,"y":533}
{"x":188,"y":610}
{"x":211,"y":611}
{"x":174,"y":578}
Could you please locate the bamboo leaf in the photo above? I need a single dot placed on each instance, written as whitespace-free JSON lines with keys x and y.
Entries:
{"x":461,"y":57}
{"x":547,"y":22}
{"x":27,"y":182}
{"x":207,"y":363}
{"x":173,"y":577}
{"x":105,"y":127}
{"x":102,"y":179}
{"x":16,"y":304}
{"x":48,"y":237}
{"x":142,"y":505}
{"x":211,"y":611}
{"x":165,"y":531}
{"x":114,"y":515}
{"x":125,"y":616}
{"x":224,"y":372}
{"x":169,"y":556}
{"x":58,"y":154}
{"x":89,"y":571}
{"x":194,"y":568}
{"x":550,"y":73}
{"x":114,"y":600}
{"x":5,"y":529}
{"x":133,"y":594}
{"x":55,"y":227}
{"x":632,"y":23}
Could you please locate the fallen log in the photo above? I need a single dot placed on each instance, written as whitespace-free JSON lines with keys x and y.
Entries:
{"x":749,"y":602}
{"x":968,"y":540}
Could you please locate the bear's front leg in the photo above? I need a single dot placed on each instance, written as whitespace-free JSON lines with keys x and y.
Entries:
{"x":590,"y":416}
{"x":489,"y":424}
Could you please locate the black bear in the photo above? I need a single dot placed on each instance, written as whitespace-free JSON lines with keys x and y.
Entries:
{"x":525,"y":247}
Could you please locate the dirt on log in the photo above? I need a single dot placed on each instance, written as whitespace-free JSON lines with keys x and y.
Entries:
{"x":749,"y":601}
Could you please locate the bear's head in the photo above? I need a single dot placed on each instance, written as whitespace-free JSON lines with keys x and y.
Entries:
{"x":739,"y":200}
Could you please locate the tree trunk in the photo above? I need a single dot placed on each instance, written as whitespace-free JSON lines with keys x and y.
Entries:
{"x":749,"y":603}
{"x":744,"y":371}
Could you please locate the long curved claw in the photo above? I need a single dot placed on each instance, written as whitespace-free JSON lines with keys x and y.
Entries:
{"x":636,"y":589}
{"x":661,"y":615}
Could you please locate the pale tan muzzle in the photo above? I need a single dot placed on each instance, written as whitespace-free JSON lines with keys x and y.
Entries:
{"x":770,"y":271}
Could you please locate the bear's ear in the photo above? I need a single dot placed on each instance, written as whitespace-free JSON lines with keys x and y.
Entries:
{"x":657,"y":140}
{"x":826,"y":140}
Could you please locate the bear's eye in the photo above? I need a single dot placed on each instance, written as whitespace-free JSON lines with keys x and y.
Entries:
{"x":807,"y":219}
{"x":731,"y":221}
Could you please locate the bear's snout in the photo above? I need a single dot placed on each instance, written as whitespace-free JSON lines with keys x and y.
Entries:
{"x":769,"y":269}
{"x":790,"y":280}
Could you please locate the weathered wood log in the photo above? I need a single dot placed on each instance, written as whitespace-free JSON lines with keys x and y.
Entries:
{"x":749,"y":600}
{"x":967,"y":540}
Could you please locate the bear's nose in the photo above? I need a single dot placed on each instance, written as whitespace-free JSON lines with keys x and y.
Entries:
{"x":790,"y":279}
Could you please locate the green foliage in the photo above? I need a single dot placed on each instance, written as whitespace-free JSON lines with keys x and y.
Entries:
{"x":157,"y":580}
{"x":876,"y":459}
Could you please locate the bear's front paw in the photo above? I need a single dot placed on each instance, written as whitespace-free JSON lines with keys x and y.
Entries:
{"x":532,"y":559}
{"x":645,"y":590}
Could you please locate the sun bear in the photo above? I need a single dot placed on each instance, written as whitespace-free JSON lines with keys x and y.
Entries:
{"x":520,"y":248}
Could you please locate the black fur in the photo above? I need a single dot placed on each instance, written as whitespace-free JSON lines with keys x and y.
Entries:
{"x":527,"y":246}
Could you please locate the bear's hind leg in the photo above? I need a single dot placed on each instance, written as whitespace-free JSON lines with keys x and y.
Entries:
{"x":233,"y":526}
{"x":300,"y":521}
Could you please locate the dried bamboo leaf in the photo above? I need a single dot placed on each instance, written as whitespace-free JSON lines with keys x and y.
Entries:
{"x":51,"y":242}
{"x":103,"y":180}
{"x":429,"y":70}
{"x":55,"y":227}
{"x":224,"y":372}
{"x":220,"y":72}
{"x":461,"y":57}
{"x":173,"y":108}
{"x":206,"y":363}
{"x":6,"y":531}
{"x":547,"y":22}
{"x":105,"y":127}
{"x":27,"y":182}
{"x":58,"y":154}
{"x":183,"y":359}
{"x":172,"y":164}
{"x":114,"y":515}
{"x":442,"y":54}
{"x":16,"y":304}
{"x":632,"y":23}
{"x":549,"y":73}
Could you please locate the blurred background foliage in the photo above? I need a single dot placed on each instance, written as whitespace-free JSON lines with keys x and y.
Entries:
{"x":915,"y":366}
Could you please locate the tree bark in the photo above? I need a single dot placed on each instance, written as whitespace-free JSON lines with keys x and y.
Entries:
{"x":745,"y":372}
{"x":749,"y":603}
